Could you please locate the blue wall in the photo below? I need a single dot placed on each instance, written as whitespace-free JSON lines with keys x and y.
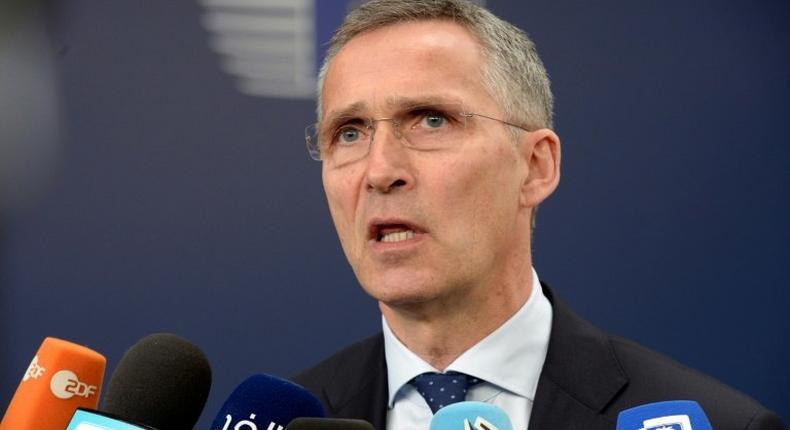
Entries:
{"x":181,"y":205}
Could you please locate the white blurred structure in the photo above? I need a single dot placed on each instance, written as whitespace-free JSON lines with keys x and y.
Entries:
{"x":268,"y":45}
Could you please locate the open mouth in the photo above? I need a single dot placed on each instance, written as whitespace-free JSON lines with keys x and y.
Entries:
{"x":390,"y":233}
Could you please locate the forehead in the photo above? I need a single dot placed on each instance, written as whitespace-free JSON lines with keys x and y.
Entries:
{"x":436,"y":60}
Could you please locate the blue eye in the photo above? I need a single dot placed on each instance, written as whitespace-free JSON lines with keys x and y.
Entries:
{"x":434,"y":120}
{"x":348,"y":135}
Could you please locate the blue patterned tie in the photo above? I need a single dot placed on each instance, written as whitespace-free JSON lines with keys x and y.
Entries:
{"x":442,"y":389}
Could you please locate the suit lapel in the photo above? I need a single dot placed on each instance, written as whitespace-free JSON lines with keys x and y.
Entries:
{"x":363,"y":392}
{"x":581,"y":375}
{"x":580,"y":378}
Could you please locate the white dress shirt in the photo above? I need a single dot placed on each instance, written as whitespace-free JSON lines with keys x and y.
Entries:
{"x":509,"y":360}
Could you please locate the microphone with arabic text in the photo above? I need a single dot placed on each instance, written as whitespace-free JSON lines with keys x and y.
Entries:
{"x":470,"y":416}
{"x":162,"y":381}
{"x":266,"y":402}
{"x":62,"y":377}
{"x":328,"y":424}
{"x":669,"y":415}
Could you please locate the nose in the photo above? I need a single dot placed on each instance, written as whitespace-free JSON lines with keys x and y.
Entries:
{"x":388,"y":162}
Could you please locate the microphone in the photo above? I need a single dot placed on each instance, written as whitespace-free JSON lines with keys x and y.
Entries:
{"x":61,"y":377}
{"x":266,"y":402}
{"x":162,"y":381}
{"x":670,"y":415}
{"x":471,"y":416}
{"x":305,"y":423}
{"x":86,"y":419}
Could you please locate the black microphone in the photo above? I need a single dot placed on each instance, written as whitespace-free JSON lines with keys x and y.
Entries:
{"x":306,"y":423}
{"x":162,"y":381}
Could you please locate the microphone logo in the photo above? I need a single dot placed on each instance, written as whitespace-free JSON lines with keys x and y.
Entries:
{"x":672,"y":422}
{"x":34,"y":371}
{"x":481,"y":424}
{"x":65,"y":385}
{"x":248,"y":424}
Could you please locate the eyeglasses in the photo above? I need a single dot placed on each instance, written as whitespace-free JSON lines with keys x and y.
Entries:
{"x":346,"y":139}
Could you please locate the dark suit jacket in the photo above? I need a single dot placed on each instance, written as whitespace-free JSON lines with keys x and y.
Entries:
{"x":587,"y":379}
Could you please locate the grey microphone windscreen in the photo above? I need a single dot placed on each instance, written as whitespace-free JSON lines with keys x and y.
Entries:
{"x":162,"y":381}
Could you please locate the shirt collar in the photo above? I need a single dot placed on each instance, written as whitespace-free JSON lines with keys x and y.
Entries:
{"x":511,"y":357}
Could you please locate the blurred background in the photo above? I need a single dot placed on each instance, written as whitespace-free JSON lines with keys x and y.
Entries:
{"x":153,"y":178}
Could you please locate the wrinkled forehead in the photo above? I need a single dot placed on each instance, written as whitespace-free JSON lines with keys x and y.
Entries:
{"x":403,"y":64}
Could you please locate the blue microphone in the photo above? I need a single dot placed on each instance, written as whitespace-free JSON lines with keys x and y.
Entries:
{"x":671,"y":415}
{"x":471,"y":416}
{"x":87,"y":419}
{"x":267,"y":403}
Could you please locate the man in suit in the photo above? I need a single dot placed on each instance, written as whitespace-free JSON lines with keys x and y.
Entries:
{"x":436,"y":142}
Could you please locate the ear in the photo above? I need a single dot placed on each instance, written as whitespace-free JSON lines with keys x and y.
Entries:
{"x":541,"y":152}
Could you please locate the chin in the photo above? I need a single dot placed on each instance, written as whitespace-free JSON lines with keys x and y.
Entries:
{"x":401,"y":292}
{"x":403,"y":300}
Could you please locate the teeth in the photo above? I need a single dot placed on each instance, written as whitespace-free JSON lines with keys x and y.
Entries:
{"x":398,"y":236}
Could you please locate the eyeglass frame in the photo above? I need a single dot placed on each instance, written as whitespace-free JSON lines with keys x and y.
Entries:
{"x":315,"y":150}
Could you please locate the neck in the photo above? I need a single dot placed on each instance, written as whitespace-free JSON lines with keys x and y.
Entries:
{"x":440,"y":330}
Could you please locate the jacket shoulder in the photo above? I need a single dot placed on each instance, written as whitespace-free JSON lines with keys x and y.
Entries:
{"x":654,"y":377}
{"x":590,"y":375}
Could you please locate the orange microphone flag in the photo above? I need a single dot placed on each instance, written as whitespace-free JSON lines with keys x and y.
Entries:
{"x":62,"y":377}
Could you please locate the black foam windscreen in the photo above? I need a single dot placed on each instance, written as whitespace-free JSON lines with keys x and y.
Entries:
{"x":162,"y":381}
{"x":328,"y":424}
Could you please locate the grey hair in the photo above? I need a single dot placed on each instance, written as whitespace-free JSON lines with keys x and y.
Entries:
{"x":512,"y":71}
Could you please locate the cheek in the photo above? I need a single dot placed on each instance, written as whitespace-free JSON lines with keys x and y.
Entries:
{"x":483,"y":176}
{"x":341,"y":196}
{"x":482,"y":195}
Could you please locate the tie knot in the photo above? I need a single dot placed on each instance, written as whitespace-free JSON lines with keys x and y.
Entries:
{"x":442,"y":389}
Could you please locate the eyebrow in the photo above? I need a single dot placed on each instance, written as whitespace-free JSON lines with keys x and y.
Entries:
{"x":352,"y":110}
{"x":396,"y":103}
